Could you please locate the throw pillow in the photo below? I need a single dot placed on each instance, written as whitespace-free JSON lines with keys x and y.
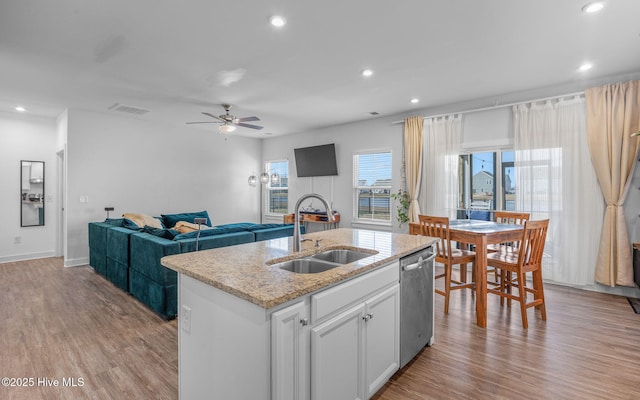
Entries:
{"x":170,"y":220}
{"x":143,"y":220}
{"x":184,"y":227}
{"x":163,"y":233}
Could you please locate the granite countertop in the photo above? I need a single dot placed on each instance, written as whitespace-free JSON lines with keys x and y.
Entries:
{"x":246,"y":270}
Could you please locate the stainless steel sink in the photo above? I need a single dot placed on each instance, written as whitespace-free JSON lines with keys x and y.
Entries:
{"x":306,"y":265}
{"x":322,"y":261}
{"x":341,"y":256}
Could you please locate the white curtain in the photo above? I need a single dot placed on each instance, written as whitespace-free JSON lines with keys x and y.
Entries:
{"x":442,"y":137}
{"x":555,"y":179}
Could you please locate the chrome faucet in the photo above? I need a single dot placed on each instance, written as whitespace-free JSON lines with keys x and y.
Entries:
{"x":297,"y":244}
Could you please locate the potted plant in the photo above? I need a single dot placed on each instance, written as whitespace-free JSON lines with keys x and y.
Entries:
{"x":401,"y":200}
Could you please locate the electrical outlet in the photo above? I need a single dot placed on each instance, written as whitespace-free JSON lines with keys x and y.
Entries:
{"x":17,"y":240}
{"x":200,"y":221}
{"x":185,"y":319}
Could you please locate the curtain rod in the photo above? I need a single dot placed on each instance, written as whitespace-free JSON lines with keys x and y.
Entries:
{"x":498,"y":106}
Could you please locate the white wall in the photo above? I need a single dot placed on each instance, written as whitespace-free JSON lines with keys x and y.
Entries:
{"x":143,"y":167}
{"x":374,"y":134}
{"x":26,"y":138}
{"x":486,"y":129}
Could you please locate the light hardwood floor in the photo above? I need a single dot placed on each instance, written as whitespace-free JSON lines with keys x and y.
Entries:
{"x":61,"y":322}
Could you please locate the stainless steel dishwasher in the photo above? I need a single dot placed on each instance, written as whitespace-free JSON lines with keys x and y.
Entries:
{"x":416,"y":303}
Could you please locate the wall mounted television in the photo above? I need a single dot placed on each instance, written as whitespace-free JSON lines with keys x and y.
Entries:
{"x":316,"y":161}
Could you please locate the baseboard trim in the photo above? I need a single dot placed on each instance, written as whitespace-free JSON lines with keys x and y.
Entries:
{"x":27,"y":256}
{"x":76,"y":262}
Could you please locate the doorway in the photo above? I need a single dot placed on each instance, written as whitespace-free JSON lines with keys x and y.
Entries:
{"x":61,"y":248}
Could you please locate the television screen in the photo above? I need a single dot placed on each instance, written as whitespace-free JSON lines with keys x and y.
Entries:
{"x":316,"y":161}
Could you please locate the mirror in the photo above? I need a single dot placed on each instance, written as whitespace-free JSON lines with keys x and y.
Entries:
{"x":31,"y":193}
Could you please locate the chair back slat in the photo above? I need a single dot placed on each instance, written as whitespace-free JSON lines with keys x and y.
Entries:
{"x":510,"y":217}
{"x":437,"y":227}
{"x":532,"y":244}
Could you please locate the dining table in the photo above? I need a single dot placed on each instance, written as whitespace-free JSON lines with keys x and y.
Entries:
{"x":479,"y":233}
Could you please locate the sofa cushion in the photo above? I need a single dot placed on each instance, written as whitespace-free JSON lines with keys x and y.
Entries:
{"x":114,"y":221}
{"x":274,"y":231}
{"x":215,"y":241}
{"x":267,"y":226}
{"x":163,"y":233}
{"x":98,"y":246}
{"x":237,"y":227}
{"x":146,"y":252}
{"x":170,"y":220}
{"x":206,"y":233}
{"x":160,"y":297}
{"x":186,"y":227}
{"x":142,"y":220}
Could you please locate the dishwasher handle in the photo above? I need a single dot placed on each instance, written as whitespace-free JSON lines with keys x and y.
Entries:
{"x":418,"y":264}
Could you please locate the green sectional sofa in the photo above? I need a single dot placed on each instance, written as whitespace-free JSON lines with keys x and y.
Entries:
{"x":129,"y":255}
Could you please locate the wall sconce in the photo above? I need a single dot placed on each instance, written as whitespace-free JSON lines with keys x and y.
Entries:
{"x":253,"y":181}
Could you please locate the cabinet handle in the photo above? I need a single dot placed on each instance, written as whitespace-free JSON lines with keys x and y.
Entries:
{"x":367,"y":317}
{"x":304,"y":321}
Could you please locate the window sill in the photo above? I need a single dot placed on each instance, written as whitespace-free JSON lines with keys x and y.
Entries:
{"x":370,"y":222}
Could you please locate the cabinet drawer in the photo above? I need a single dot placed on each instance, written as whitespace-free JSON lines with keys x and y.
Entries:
{"x":344,"y":294}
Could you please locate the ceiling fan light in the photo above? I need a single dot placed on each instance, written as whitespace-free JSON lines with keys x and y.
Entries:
{"x":226,"y":128}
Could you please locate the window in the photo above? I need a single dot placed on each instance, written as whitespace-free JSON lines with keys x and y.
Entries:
{"x":480,"y":179}
{"x":372,"y":186}
{"x":277,"y":190}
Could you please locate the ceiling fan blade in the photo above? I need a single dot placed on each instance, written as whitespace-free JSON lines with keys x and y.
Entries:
{"x":213,"y":116}
{"x":207,"y":122}
{"x":247,"y":119}
{"x":248,"y":126}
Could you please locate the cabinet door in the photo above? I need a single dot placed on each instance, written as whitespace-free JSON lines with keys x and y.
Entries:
{"x":382,"y":338}
{"x":337,"y":362}
{"x":290,"y":353}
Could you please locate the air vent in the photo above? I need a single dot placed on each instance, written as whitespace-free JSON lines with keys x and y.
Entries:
{"x":128,"y":109}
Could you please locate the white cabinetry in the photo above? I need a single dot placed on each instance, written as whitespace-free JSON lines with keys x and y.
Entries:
{"x":382,"y":338}
{"x":337,"y":357}
{"x":290,"y":353}
{"x":354,"y":338}
{"x":354,"y":353}
{"x":339,"y":343}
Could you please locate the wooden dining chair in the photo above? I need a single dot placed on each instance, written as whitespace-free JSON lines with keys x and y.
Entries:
{"x":447,"y":255}
{"x":514,"y":265}
{"x":508,"y":217}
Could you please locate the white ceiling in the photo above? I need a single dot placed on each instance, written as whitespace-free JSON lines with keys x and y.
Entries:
{"x":171,"y":57}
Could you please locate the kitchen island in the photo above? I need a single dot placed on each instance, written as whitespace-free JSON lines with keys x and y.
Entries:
{"x":250,"y":329}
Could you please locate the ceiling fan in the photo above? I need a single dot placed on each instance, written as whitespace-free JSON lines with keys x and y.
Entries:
{"x":229,"y":122}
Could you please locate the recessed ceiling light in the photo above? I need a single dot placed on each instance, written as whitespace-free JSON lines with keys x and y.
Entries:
{"x":585,"y":67}
{"x":415,"y":101}
{"x":20,"y":109}
{"x":367,"y":73}
{"x":278,"y":21}
{"x":593,"y":7}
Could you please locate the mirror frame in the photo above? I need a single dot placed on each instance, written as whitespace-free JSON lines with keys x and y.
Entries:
{"x":25,"y":194}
